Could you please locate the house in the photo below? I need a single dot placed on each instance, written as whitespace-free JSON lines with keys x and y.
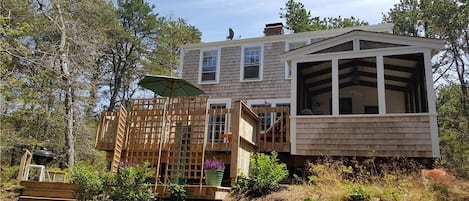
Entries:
{"x":358,"y":91}
{"x":352,"y":92}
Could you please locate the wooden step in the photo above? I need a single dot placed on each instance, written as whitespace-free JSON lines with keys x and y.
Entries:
{"x":35,"y":198}
{"x":34,"y":190}
{"x":52,"y":193}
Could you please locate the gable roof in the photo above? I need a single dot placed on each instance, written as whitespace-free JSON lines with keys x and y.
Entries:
{"x":286,"y":37}
{"x":379,"y":37}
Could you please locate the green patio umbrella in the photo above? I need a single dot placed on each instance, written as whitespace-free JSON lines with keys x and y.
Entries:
{"x":169,"y":86}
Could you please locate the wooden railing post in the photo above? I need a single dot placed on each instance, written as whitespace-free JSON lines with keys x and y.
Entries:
{"x":235,"y":119}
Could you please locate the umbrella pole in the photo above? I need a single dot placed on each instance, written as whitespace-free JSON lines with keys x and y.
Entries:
{"x":165,"y":115}
{"x":163,"y":131}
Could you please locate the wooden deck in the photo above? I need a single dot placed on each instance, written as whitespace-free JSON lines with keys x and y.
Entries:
{"x":406,"y":135}
{"x":274,"y":138}
{"x":37,"y":191}
{"x":197,"y":192}
{"x":34,"y":190}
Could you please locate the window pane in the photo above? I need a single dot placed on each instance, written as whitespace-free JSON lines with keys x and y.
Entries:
{"x":252,"y":55}
{"x":209,"y":65}
{"x":208,"y":76}
{"x":209,"y":69}
{"x":251,"y":72}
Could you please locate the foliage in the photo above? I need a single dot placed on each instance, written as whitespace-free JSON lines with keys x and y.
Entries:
{"x":172,"y":34}
{"x":357,"y":193}
{"x":50,"y":55}
{"x":265,"y":173}
{"x":299,"y":20}
{"x":61,"y":61}
{"x":447,"y":20}
{"x":89,"y":181}
{"x":128,"y":184}
{"x":8,"y":178}
{"x":131,"y":40}
{"x":177,"y":192}
{"x":132,"y":184}
{"x":394,"y":179}
{"x":385,"y":180}
{"x":296,"y":16}
{"x":214,"y":165}
{"x":8,"y":173}
{"x":443,"y":19}
{"x":454,"y":132}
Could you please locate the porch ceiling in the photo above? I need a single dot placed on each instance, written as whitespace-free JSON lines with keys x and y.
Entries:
{"x":399,"y":70}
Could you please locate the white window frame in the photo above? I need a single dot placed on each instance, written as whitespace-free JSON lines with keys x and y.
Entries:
{"x":217,"y":69}
{"x":287,"y":48}
{"x":226,"y":101}
{"x":261,"y":64}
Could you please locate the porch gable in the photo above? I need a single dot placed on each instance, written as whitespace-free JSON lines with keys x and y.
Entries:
{"x":362,"y":74}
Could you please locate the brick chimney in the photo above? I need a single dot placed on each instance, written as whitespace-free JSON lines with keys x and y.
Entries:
{"x":273,"y":29}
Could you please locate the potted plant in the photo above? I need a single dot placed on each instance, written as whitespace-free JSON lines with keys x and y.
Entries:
{"x":214,"y":170}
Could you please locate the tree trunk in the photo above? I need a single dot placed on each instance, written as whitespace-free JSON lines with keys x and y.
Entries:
{"x":69,"y":138}
{"x":115,"y":92}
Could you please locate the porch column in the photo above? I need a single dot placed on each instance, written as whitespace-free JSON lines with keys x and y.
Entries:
{"x":294,"y":99}
{"x":335,"y":86}
{"x":431,"y":103}
{"x":381,"y":85}
{"x":429,"y":82}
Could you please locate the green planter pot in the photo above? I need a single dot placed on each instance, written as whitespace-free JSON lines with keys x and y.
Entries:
{"x":214,"y":177}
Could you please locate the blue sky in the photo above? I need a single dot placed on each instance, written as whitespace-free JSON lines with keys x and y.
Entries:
{"x":248,"y":17}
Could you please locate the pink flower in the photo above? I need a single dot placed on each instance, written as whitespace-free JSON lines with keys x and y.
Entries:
{"x":214,"y":165}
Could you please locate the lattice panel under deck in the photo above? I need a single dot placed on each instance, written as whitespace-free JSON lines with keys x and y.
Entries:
{"x":145,"y":128}
{"x":187,"y":117}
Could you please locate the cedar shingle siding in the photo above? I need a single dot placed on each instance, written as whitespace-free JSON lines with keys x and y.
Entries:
{"x":273,"y":84}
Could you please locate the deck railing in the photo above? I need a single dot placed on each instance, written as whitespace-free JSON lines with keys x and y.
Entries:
{"x":274,"y":129}
{"x":106,"y":133}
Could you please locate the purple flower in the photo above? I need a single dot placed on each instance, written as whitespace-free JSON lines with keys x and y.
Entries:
{"x":214,"y":165}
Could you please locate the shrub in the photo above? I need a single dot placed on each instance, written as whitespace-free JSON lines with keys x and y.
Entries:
{"x":8,"y":173}
{"x":357,"y":193}
{"x":265,"y":173}
{"x":128,"y":184}
{"x":90,"y":184}
{"x":177,"y":192}
{"x":132,"y":184}
{"x":8,"y":178}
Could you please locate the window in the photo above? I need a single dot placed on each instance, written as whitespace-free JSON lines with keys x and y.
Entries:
{"x":291,"y":46}
{"x":251,"y":68}
{"x":264,"y":116}
{"x":216,"y":122}
{"x":209,"y":65}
